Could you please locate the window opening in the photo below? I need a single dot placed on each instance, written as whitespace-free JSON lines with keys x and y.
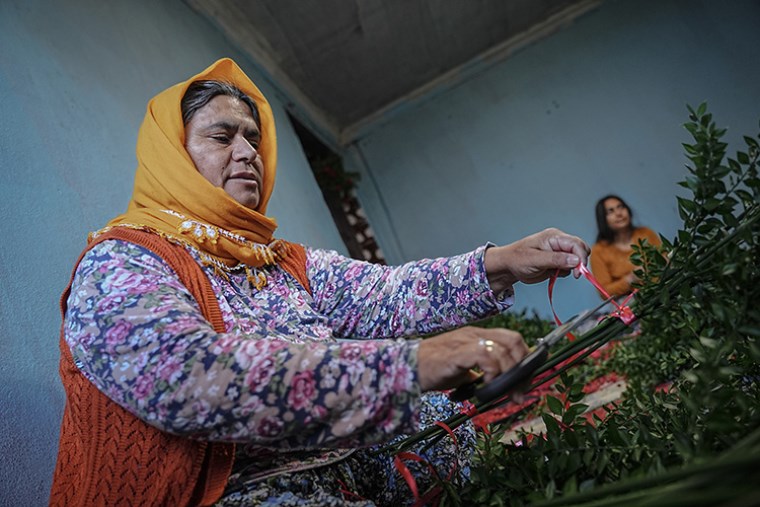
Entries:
{"x":338,"y":188}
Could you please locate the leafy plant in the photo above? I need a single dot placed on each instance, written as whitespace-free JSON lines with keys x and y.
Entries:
{"x":696,"y":442}
{"x":700,"y":329}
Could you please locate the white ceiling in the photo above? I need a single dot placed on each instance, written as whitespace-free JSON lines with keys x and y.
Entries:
{"x":346,"y":63}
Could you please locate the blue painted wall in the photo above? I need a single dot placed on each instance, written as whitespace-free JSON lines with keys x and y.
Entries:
{"x":536,"y":140}
{"x":531,"y":143}
{"x":74,"y":83}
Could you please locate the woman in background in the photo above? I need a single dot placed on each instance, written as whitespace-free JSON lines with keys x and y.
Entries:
{"x":610,"y":255}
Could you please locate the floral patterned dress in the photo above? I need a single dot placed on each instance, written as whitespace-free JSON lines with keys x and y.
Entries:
{"x":305,"y":382}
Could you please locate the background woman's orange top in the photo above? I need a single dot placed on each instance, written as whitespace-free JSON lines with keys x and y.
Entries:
{"x":611,"y":265}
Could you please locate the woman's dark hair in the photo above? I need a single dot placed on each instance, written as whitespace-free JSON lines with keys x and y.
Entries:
{"x":605,"y":233}
{"x":200,"y":93}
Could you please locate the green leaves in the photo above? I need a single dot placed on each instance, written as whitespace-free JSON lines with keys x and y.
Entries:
{"x":700,"y":339}
{"x":555,"y":405}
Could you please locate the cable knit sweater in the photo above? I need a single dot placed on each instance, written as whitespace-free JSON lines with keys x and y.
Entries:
{"x":109,"y":457}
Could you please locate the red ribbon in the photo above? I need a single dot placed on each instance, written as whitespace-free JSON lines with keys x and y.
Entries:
{"x":623,"y":311}
{"x":453,"y":437}
{"x":469,"y":409}
{"x":552,"y":280}
{"x":409,"y":478}
{"x":433,"y":493}
{"x":347,"y":493}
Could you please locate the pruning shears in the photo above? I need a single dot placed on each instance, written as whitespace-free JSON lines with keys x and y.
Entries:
{"x":522,"y":371}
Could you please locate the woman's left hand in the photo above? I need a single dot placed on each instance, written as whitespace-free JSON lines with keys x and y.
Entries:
{"x":535,"y":258}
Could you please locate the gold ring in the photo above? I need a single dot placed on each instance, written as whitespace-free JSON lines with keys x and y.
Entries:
{"x":488,"y":344}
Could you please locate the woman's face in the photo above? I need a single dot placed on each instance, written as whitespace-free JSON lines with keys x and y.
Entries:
{"x":222,"y":139}
{"x":618,"y":218}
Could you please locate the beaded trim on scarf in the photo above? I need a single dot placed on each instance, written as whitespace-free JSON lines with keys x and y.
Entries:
{"x":200,"y":232}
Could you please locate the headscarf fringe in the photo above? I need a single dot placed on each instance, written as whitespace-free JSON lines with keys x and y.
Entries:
{"x":268,"y":254}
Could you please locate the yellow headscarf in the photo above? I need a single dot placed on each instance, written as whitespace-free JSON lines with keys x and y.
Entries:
{"x":172,"y":198}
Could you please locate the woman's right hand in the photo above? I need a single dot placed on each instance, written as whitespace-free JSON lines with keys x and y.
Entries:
{"x":445,"y":361}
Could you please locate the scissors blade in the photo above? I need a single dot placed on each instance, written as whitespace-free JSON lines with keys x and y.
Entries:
{"x":571,"y":325}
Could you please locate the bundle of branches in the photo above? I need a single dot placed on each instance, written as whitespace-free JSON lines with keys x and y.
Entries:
{"x":700,"y":328}
{"x":733,"y":476}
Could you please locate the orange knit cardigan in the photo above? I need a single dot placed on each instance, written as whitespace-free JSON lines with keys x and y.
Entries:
{"x":109,"y":457}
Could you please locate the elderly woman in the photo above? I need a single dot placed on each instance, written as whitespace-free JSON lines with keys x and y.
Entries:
{"x":206,"y":362}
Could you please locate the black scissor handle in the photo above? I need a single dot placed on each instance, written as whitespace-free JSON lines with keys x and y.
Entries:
{"x":504,"y":383}
{"x":522,"y":371}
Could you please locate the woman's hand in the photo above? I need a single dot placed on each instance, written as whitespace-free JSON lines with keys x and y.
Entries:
{"x":535,"y":258}
{"x":445,"y":361}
